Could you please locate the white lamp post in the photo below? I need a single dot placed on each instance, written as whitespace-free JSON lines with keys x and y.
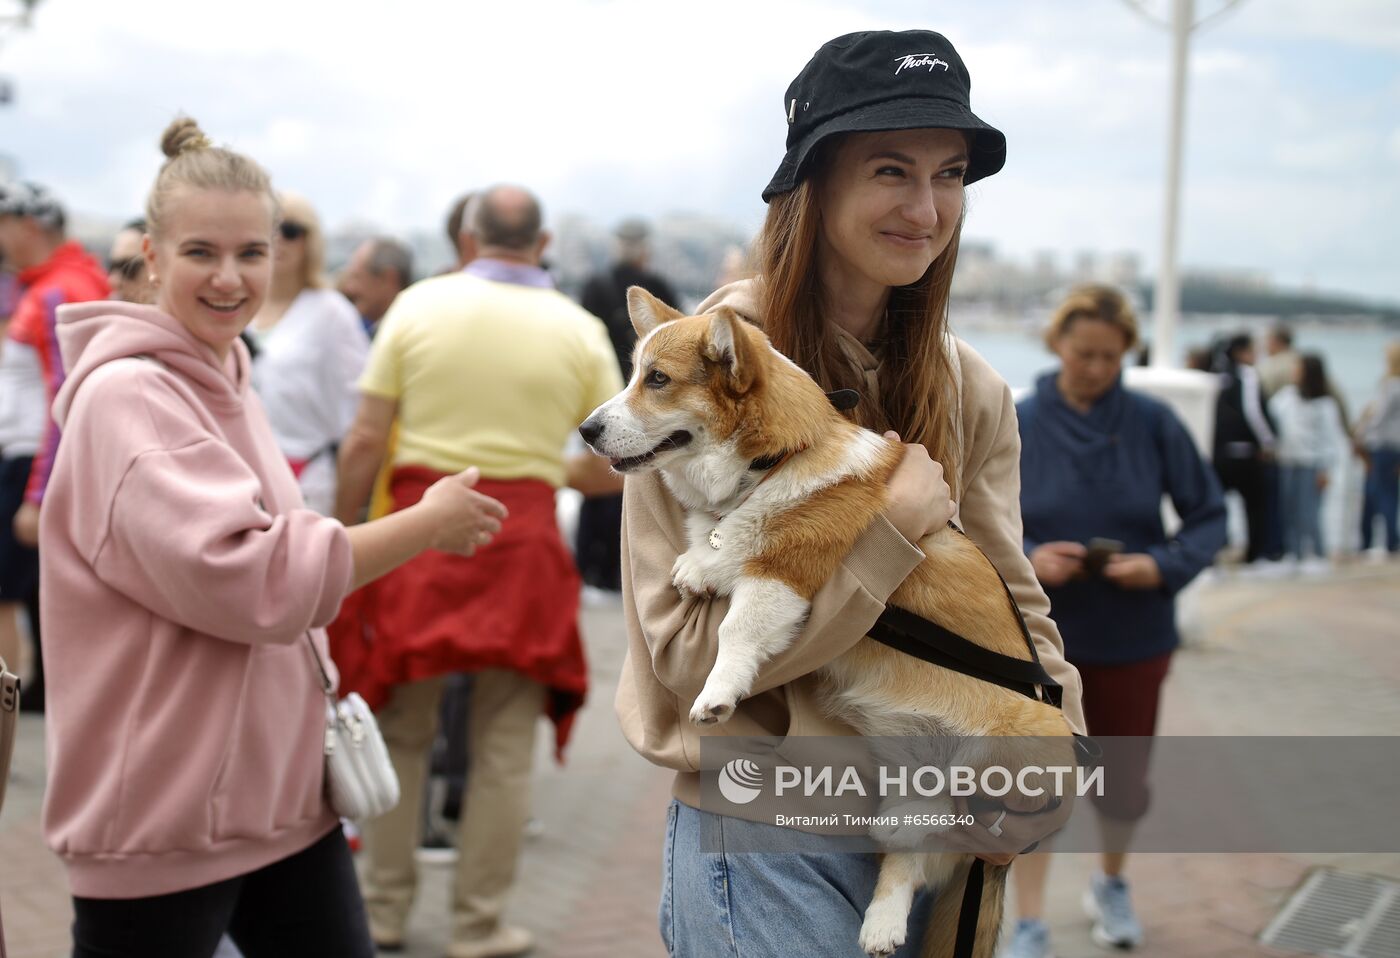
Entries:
{"x":1166,"y":299}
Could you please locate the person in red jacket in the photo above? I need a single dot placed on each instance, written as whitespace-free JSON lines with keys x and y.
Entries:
{"x":50,"y":270}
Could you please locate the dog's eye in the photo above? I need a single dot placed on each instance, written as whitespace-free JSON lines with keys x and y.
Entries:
{"x":656,"y":379}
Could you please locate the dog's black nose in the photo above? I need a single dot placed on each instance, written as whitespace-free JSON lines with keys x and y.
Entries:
{"x":591,"y":430}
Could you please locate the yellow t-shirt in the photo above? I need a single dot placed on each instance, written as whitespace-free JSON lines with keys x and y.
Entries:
{"x":488,"y":374}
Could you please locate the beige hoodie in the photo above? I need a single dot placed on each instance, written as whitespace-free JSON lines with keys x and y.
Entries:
{"x":672,"y":640}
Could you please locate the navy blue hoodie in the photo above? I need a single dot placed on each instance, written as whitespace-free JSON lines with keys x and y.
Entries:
{"x":1103,"y":474}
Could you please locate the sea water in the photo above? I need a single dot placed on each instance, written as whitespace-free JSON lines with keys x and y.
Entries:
{"x":1354,"y":355}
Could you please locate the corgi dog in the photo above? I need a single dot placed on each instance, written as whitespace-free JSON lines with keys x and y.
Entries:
{"x":777,"y":485}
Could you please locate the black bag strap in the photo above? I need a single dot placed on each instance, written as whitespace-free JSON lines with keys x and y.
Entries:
{"x":925,"y":639}
{"x":971,"y":907}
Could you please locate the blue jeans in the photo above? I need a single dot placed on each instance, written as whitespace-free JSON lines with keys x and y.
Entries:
{"x":1382,"y":498}
{"x":765,"y":905}
{"x":1302,"y":510}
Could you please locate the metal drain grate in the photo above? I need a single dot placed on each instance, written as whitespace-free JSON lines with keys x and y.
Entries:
{"x":1340,"y":915}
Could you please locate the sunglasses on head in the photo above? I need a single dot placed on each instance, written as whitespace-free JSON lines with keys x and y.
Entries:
{"x":292,"y":231}
{"x":128,"y":267}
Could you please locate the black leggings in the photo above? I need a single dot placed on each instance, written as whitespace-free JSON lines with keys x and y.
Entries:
{"x":305,"y":906}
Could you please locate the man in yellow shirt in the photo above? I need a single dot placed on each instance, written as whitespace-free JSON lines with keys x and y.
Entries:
{"x":488,"y":367}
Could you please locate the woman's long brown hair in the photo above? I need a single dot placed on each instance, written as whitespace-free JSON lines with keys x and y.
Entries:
{"x":916,"y":374}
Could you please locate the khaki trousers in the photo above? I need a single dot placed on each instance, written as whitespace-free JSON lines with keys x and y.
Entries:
{"x":505,"y":708}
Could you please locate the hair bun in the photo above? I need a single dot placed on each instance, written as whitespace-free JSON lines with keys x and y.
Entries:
{"x":183,"y":135}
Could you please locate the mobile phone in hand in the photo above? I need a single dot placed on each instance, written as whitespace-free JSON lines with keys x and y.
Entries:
{"x":1100,"y":550}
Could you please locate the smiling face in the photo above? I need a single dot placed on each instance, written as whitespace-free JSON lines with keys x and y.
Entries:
{"x":890,"y":204}
{"x":212,"y":260}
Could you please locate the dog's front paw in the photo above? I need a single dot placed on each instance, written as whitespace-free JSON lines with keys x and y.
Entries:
{"x":688,"y":575}
{"x":715,"y":705}
{"x":705,"y":713}
{"x":885,"y":927}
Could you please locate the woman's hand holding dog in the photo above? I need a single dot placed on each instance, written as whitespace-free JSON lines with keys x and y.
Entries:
{"x":1026,"y":822}
{"x":920,"y":500}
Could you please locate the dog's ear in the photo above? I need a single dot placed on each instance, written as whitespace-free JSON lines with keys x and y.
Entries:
{"x":648,"y":312}
{"x":728,"y":344}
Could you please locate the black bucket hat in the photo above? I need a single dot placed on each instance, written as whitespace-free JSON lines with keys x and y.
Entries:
{"x":882,"y":80}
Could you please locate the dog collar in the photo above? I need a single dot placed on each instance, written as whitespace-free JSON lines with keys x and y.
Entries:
{"x":844,"y":399}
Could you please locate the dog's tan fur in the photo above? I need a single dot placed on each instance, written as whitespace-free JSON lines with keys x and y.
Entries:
{"x":785,"y":535}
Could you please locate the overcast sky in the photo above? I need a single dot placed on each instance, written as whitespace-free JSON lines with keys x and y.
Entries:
{"x":384,"y":112}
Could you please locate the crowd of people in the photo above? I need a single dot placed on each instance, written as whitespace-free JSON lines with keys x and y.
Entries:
{"x":1282,"y":431}
{"x":228,"y":464}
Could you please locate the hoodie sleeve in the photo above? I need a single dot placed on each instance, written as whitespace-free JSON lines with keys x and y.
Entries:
{"x":189,"y":540}
{"x":1197,"y":499}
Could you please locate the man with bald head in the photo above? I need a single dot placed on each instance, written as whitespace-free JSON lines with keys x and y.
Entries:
{"x":488,"y":367}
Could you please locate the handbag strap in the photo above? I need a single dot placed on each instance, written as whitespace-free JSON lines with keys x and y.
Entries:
{"x":327,"y":686}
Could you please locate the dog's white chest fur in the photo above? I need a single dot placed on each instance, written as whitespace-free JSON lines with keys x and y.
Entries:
{"x":716,"y":550}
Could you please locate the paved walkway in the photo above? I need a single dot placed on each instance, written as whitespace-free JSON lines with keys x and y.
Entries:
{"x":1300,"y":657}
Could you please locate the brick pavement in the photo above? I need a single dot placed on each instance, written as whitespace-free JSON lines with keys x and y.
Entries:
{"x":1314,"y":656}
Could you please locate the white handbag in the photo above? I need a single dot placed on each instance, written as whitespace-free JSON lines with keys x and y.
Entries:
{"x":360,"y":779}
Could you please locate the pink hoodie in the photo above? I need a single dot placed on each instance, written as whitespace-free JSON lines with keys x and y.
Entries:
{"x":180,"y":574}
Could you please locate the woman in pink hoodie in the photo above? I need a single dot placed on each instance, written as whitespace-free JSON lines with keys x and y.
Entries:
{"x":182,"y":576}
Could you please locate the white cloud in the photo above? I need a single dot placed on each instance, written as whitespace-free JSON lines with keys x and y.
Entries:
{"x":1363,"y":23}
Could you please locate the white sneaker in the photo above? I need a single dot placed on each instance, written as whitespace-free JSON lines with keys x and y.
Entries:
{"x":1107,"y":902}
{"x":1031,"y":939}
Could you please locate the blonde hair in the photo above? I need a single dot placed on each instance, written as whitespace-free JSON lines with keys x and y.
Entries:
{"x":297,"y":209}
{"x":1094,"y":301}
{"x":1392,"y":359}
{"x":916,"y":378}
{"x":194,"y":162}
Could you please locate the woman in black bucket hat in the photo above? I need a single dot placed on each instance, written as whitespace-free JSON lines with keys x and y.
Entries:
{"x":856,"y":261}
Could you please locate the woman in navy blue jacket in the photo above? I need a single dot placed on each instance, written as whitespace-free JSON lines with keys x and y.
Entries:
{"x":1096,"y":460}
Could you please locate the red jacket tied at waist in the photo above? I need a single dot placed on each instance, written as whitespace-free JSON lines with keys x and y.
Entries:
{"x":513,"y":605}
